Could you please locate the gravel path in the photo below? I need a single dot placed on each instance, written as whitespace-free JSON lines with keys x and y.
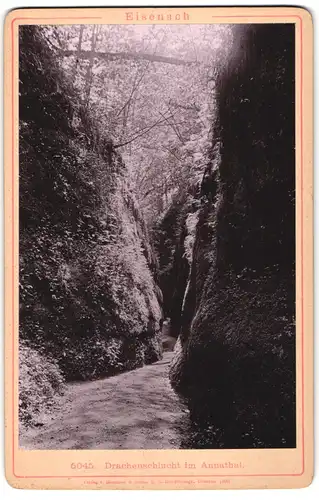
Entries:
{"x":134,"y":410}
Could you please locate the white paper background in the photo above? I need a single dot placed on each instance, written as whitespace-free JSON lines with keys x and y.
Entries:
{"x":312,"y":491}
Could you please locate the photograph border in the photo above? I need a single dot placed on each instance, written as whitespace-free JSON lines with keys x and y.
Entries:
{"x":302,"y":20}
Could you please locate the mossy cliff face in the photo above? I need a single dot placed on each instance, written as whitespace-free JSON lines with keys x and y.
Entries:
{"x":235,"y":361}
{"x":169,"y":241}
{"x":87,"y":295}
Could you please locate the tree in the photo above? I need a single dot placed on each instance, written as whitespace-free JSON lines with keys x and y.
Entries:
{"x":151,"y":88}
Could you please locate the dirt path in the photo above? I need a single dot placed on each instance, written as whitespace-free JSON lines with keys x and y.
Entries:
{"x":134,"y":410}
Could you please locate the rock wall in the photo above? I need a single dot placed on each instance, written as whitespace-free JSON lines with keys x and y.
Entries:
{"x":87,"y":295}
{"x":169,"y":236}
{"x":235,"y":360}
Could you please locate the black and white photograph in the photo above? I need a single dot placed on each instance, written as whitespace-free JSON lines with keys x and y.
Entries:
{"x":157,"y":241}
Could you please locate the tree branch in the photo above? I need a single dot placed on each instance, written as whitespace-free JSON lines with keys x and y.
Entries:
{"x":140,"y":133}
{"x":173,"y":126}
{"x":113,"y":56}
{"x":134,"y":88}
{"x":191,"y":107}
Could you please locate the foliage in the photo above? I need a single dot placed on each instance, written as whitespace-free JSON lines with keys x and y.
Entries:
{"x":169,"y":235}
{"x":40,"y":382}
{"x":158,"y":113}
{"x":236,"y":361}
{"x":191,"y":224}
{"x":86,"y":285}
{"x":206,"y":168}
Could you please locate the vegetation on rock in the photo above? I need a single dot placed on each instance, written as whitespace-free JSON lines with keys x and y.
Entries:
{"x":157,"y":171}
{"x":87,"y":296}
{"x":235,"y":364}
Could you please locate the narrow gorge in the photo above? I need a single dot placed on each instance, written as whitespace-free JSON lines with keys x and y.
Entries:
{"x":157,"y":237}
